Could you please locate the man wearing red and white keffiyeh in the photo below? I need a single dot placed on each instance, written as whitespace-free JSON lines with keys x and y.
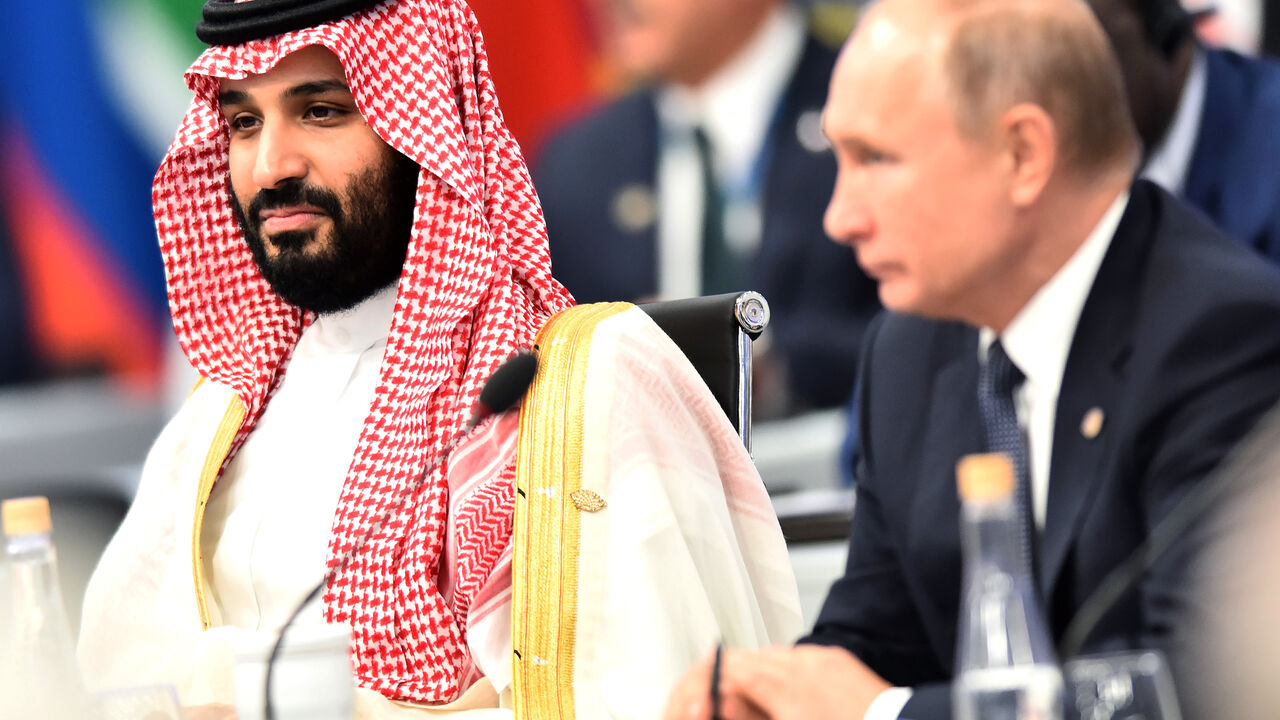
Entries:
{"x":352,"y":246}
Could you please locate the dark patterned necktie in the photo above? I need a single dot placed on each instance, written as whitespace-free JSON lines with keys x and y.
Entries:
{"x":720,"y":266}
{"x":998,"y":380}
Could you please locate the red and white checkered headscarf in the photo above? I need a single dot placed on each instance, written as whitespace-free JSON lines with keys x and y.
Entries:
{"x":476,"y":285}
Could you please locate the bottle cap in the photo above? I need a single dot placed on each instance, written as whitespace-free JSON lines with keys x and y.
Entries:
{"x":984,"y":477}
{"x":26,"y":516}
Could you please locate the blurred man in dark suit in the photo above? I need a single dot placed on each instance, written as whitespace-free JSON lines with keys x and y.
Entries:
{"x":1207,"y":118}
{"x":1271,"y":30}
{"x":986,"y":180}
{"x":16,"y":350}
{"x":713,"y":178}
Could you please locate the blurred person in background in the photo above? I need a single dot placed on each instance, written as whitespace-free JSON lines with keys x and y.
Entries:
{"x":1043,"y":303}
{"x":712,"y":177}
{"x":1271,"y":31}
{"x":17,"y":353}
{"x":1233,"y":24}
{"x":1208,"y":118}
{"x":353,"y":246}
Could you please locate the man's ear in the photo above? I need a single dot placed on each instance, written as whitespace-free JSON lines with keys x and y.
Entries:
{"x":1030,"y":142}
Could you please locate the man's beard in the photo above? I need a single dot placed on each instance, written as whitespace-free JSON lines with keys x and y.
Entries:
{"x":364,"y":252}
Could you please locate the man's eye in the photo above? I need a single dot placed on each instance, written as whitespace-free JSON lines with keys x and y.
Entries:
{"x":871,"y":156}
{"x":322,"y":112}
{"x":240,"y":123}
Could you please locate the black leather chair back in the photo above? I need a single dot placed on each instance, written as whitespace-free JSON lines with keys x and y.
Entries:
{"x":715,"y":332}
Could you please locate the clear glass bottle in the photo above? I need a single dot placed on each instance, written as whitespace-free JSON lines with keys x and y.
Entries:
{"x":41,"y":676}
{"x":1005,"y":664}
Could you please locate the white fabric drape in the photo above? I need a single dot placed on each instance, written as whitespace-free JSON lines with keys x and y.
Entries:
{"x":688,"y":554}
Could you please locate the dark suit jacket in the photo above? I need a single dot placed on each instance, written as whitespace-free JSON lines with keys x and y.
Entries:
{"x":17,"y":354}
{"x":1178,"y":344}
{"x":1234,"y":175}
{"x":821,"y":300}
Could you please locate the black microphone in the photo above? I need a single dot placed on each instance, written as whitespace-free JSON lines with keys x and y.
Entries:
{"x":500,"y":393}
{"x":505,"y":387}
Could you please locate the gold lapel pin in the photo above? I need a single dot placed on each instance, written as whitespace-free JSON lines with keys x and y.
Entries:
{"x":587,"y":501}
{"x":1091,"y":424}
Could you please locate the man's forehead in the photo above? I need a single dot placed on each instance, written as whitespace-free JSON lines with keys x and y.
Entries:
{"x":881,"y":77}
{"x":898,"y":36}
{"x":311,"y":64}
{"x":883,"y":56}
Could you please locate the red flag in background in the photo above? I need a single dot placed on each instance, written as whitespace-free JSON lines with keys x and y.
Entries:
{"x":546,"y":60}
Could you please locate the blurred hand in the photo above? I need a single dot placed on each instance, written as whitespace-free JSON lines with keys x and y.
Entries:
{"x":806,"y":682}
{"x":691,"y":698}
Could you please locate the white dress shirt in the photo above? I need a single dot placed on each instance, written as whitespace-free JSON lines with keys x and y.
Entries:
{"x":735,"y":107}
{"x":268,"y":521}
{"x":1170,"y":161}
{"x":1038,"y":341}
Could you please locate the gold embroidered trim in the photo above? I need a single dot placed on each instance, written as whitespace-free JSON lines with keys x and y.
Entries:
{"x":232,"y":419}
{"x":545,"y":535}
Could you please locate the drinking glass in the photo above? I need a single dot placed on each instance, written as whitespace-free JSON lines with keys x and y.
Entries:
{"x":1120,"y":686}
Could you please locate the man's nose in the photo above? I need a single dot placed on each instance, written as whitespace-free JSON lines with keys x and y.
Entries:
{"x":279,"y":158}
{"x":847,"y":219}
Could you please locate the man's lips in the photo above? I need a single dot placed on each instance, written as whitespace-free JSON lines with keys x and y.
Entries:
{"x":289,"y":218}
{"x":881,"y":270}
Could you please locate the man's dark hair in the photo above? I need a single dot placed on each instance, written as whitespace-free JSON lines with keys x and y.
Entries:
{"x":1166,"y":23}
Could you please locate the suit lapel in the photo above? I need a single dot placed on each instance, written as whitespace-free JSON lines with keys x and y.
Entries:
{"x":1076,"y":466}
{"x":954,"y":420}
{"x":954,"y":430}
{"x":1092,"y":382}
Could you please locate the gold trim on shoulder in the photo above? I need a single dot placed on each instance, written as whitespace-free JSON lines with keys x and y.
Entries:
{"x":546,"y":529}
{"x":232,"y":419}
